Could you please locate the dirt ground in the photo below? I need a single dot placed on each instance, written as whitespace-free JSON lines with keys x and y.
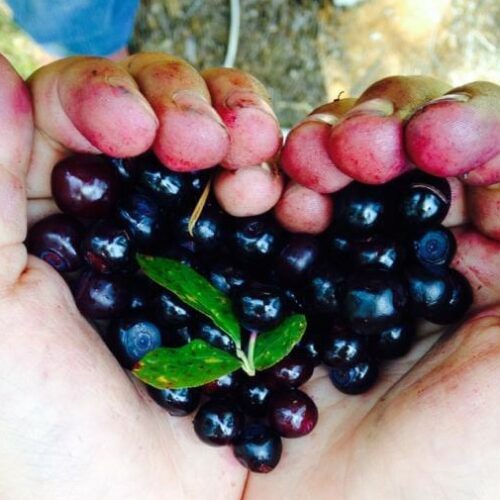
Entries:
{"x":307,"y":51}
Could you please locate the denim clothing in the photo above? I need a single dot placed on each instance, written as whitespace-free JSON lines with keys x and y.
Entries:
{"x":66,"y":27}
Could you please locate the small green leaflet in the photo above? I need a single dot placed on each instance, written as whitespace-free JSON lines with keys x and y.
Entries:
{"x":194,"y":290}
{"x":272,"y":346}
{"x":192,"y":365}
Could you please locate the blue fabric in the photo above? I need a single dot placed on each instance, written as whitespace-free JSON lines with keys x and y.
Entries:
{"x":65,"y":27}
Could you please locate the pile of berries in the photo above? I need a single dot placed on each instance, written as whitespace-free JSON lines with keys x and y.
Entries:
{"x":362,"y":284}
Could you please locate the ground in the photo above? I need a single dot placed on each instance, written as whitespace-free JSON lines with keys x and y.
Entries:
{"x":307,"y":51}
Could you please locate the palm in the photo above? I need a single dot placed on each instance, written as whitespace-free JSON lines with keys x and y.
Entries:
{"x":75,"y":425}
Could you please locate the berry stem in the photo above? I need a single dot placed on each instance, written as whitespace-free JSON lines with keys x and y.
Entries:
{"x":251,"y":351}
{"x":199,"y":208}
{"x":246,"y":364}
{"x":244,"y":361}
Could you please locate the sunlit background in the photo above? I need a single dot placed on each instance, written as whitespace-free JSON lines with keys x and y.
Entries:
{"x":306,"y":52}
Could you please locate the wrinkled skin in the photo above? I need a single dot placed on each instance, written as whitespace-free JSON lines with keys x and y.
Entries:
{"x":74,"y":425}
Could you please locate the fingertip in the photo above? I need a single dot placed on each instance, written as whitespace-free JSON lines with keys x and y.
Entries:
{"x":16,"y":119}
{"x":244,"y":106}
{"x":478,"y":259}
{"x":16,"y":135}
{"x":368,"y":147}
{"x":484,"y":208}
{"x":253,"y":128}
{"x":191,"y":135}
{"x":248,"y":191}
{"x":105,"y":105}
{"x":302,"y":210}
{"x":305,"y":158}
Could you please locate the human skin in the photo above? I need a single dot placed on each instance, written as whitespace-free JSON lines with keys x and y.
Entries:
{"x":74,"y":425}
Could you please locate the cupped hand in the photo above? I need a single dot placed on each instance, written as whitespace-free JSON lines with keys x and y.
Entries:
{"x":74,"y":425}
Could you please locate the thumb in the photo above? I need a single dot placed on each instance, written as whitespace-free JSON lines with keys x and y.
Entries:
{"x":16,"y":136}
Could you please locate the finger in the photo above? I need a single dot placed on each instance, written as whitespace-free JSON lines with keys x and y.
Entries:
{"x":484,"y":209}
{"x":244,"y":105}
{"x":458,"y":132}
{"x":248,"y":190}
{"x":446,"y":407}
{"x":488,"y":173}
{"x":302,"y":210}
{"x":16,"y":136}
{"x":478,"y":259}
{"x":39,"y":209}
{"x":305,"y":157}
{"x":86,"y":104}
{"x":191,"y":135}
{"x":367,"y":143}
{"x":457,"y":214}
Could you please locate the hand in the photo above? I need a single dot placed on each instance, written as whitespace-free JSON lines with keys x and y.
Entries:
{"x":75,"y":426}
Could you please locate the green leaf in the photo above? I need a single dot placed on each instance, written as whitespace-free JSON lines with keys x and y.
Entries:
{"x":192,"y":365}
{"x":194,"y":290}
{"x":272,"y":346}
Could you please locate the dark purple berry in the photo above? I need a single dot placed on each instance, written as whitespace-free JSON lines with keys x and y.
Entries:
{"x":324,"y":290}
{"x":171,"y":189}
{"x":141,"y":216}
{"x":256,"y":239}
{"x":433,"y":247}
{"x":131,"y":338}
{"x":253,"y":394}
{"x":355,"y":379}
{"x":258,"y":448}
{"x":208,"y":233}
{"x":359,"y":209}
{"x":197,"y":182}
{"x":100,"y":296}
{"x":294,"y":302}
{"x":292,"y":371}
{"x":292,"y":413}
{"x":297,"y":258}
{"x":178,"y":402}
{"x":341,"y":351}
{"x":85,"y":186}
{"x":214,"y":336}
{"x":140,"y":294}
{"x":57,"y":240}
{"x":440,"y":296}
{"x":223,"y":386}
{"x":178,"y":336}
{"x":393,"y":342}
{"x":218,"y":422}
{"x":310,"y":347}
{"x":182,"y":255}
{"x":374,"y":301}
{"x":107,"y":247}
{"x":126,"y":168}
{"x":226,"y":277}
{"x":423,"y":200}
{"x":338,"y":246}
{"x":170,"y":310}
{"x":377,"y":253}
{"x":259,"y":307}
{"x":427,"y":289}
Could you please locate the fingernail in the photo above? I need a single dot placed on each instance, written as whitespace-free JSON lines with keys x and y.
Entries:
{"x":131,"y":88}
{"x":327,"y":118}
{"x":456,"y":97}
{"x":377,"y":107}
{"x":190,"y":100}
{"x":249,"y":99}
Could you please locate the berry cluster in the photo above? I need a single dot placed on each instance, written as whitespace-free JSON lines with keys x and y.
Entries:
{"x":383,"y":263}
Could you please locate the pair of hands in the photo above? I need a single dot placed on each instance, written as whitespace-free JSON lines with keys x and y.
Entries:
{"x":74,"y":425}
